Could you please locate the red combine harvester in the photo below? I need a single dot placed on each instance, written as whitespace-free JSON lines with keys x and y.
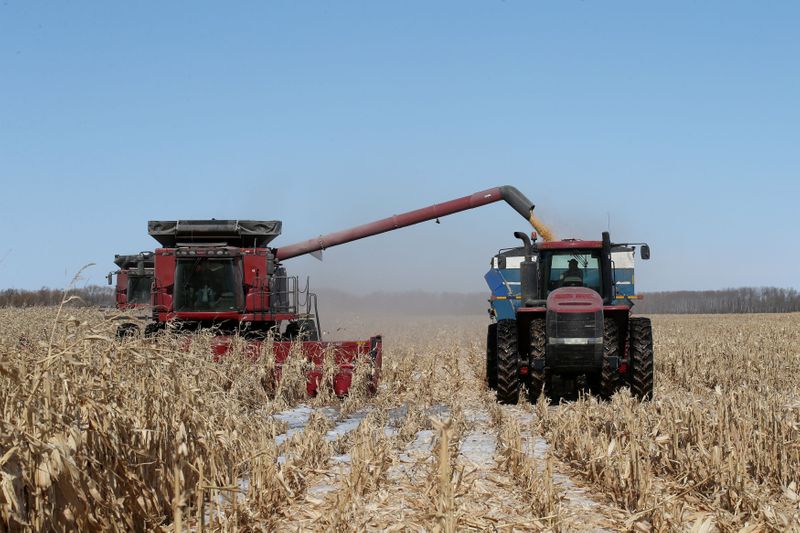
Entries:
{"x":133,"y":287}
{"x":222,"y":275}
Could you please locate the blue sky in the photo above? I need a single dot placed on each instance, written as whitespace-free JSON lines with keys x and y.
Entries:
{"x":680,"y":120}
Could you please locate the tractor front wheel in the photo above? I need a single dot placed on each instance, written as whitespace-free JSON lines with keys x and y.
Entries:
{"x":610,"y":379}
{"x":538,"y":342}
{"x":507,"y":362}
{"x":641,"y":350}
{"x":491,"y":356}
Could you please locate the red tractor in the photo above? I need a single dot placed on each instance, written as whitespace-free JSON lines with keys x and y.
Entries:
{"x":222,"y":275}
{"x":570,"y":330}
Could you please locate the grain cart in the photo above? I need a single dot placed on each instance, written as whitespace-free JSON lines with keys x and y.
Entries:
{"x":132,"y":292}
{"x":223,"y":275}
{"x":563,"y":320}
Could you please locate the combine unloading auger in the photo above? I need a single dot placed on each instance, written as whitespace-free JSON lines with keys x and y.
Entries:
{"x":509,"y":194}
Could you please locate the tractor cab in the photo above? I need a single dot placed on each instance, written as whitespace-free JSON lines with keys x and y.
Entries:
{"x":571,"y":266}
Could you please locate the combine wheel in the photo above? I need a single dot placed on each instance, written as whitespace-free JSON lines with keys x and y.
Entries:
{"x":507,"y":362}
{"x":538,"y":344}
{"x":152,"y":329}
{"x":127,"y":330}
{"x":641,"y":349}
{"x":308,"y":330}
{"x":302,"y":330}
{"x":610,"y":379}
{"x":491,"y":356}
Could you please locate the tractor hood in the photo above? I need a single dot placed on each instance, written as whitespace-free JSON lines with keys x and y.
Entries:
{"x":574,"y":300}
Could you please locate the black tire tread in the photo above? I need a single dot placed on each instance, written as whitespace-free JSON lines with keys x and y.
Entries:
{"x":508,"y":382}
{"x":641,"y":351}
{"x":491,"y":356}
{"x":610,"y":381}
{"x":538,"y":345}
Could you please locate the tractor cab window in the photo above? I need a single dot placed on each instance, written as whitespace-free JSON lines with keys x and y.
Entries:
{"x":574,"y":268}
{"x":205,"y":284}
{"x":139,"y":289}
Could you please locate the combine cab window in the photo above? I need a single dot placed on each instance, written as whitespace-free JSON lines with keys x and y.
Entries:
{"x":574,"y":268}
{"x":139,"y":289}
{"x":207,"y":284}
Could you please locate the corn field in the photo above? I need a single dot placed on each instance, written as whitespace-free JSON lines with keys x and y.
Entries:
{"x":145,"y":434}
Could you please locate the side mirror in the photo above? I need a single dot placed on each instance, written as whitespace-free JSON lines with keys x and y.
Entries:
{"x":110,"y":275}
{"x":645,"y":252}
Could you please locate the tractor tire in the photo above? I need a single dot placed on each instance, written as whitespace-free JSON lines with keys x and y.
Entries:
{"x":538,"y":346}
{"x":610,"y":380}
{"x":491,"y":356}
{"x":641,"y":351}
{"x":508,"y":382}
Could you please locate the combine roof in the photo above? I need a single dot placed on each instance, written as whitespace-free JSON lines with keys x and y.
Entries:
{"x":241,"y":233}
{"x":131,"y":261}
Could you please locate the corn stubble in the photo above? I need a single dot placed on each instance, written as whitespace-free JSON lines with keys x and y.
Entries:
{"x":143,"y":434}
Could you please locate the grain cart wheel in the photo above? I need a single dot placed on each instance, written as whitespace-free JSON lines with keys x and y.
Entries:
{"x":507,"y":362}
{"x":491,"y":356}
{"x":641,"y":351}
{"x":538,"y":345}
{"x":609,"y":379}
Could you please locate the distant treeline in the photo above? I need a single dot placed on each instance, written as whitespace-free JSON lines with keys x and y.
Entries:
{"x":743,"y":300}
{"x":91,"y":295}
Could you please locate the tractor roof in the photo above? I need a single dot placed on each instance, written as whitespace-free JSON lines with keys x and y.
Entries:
{"x":130,"y":261}
{"x":240,"y":233}
{"x":568,"y":244}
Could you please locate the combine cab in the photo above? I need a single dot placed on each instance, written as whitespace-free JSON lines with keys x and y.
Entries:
{"x":132,"y":294}
{"x":563,"y":320}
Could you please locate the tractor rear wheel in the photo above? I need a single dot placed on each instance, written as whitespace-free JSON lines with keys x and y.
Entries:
{"x":507,"y":362}
{"x":491,"y":356}
{"x":538,"y":343}
{"x":641,"y":350}
{"x":610,"y":379}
